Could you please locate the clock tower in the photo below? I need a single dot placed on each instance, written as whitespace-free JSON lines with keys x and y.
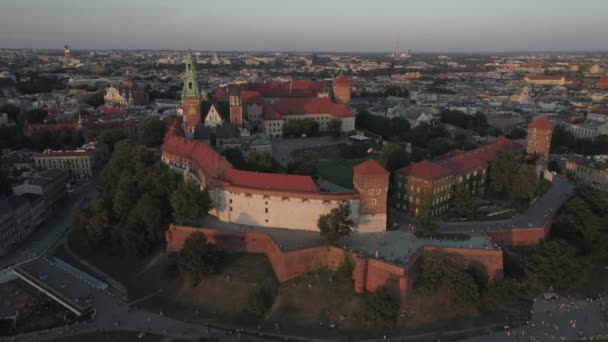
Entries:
{"x":191,"y":98}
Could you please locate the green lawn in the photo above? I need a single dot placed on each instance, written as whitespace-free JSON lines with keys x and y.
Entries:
{"x":330,"y":164}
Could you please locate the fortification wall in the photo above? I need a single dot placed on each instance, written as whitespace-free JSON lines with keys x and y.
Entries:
{"x":488,"y":260}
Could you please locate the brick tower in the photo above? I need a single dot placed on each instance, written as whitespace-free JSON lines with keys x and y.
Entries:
{"x":341,"y":89}
{"x":539,"y":139}
{"x":236,"y":107}
{"x":191,"y":98}
{"x":371,"y":182}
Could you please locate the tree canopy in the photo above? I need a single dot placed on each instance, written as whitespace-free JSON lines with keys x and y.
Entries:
{"x":336,"y":224}
{"x":502,"y":171}
{"x":198,"y":259}
{"x":393,"y":157}
{"x":152,"y":132}
{"x":190,"y":205}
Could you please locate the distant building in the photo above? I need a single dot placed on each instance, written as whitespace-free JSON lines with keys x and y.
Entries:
{"x":585,"y":129}
{"x":546,"y":80}
{"x":85,"y":161}
{"x":128,"y":93}
{"x":597,"y":114}
{"x":602,"y":83}
{"x":540,"y":132}
{"x":589,"y":172}
{"x":19,"y":217}
{"x":50,"y":184}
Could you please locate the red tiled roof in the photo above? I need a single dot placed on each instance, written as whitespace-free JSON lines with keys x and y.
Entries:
{"x":541,"y":123}
{"x":295,"y":88}
{"x":215,"y":166}
{"x":342,"y":80}
{"x":603,"y":111}
{"x":270,"y":181}
{"x":53,"y":127}
{"x":462,"y":162}
{"x":315,"y":105}
{"x":544,"y":78}
{"x":252,"y":97}
{"x":487,"y":152}
{"x":370,"y":167}
{"x":426,"y":170}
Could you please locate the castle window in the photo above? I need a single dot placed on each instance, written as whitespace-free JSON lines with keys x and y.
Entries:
{"x":266,"y":210}
{"x":230,"y":208}
{"x":374,"y":201}
{"x":377,"y":191}
{"x":231,"y":201}
{"x":189,"y":85}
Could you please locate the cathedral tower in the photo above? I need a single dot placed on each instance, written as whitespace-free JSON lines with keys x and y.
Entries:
{"x":191,"y":97}
{"x":236,"y":107}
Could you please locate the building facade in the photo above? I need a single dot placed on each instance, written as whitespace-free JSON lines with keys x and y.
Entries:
{"x":426,"y":188}
{"x":276,"y":200}
{"x":593,"y":173}
{"x":83,"y":162}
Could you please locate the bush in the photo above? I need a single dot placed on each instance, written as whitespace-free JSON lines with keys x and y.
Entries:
{"x":347,"y":266}
{"x":172,"y":266}
{"x":260,"y":301}
{"x":380,"y":309}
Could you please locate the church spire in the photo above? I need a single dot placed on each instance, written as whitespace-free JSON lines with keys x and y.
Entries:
{"x":190,"y":78}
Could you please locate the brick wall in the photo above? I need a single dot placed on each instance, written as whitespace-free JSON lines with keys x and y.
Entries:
{"x":488,"y":260}
{"x":369,"y":274}
{"x":521,"y":236}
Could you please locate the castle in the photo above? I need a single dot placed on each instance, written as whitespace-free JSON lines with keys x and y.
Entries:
{"x":266,"y":199}
{"x":266,"y":107}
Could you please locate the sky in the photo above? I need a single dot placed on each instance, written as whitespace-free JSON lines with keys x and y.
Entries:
{"x":307,"y":25}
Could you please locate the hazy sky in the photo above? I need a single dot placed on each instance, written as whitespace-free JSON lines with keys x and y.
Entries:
{"x":307,"y":25}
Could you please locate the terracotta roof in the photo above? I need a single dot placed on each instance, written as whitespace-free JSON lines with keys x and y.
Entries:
{"x":342,"y":80}
{"x":215,"y":166}
{"x":544,"y":78}
{"x":541,"y":123}
{"x":315,"y":105}
{"x":295,"y":88}
{"x":370,"y":167}
{"x":252,"y":97}
{"x":426,"y":170}
{"x":270,"y":181}
{"x":462,"y":162}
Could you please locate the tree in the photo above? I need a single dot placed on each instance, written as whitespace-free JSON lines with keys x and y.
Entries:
{"x":234,"y":156}
{"x":524,"y":186}
{"x":555,"y":264}
{"x":334,"y":127}
{"x":393,"y":157}
{"x":299,"y":167}
{"x":262,"y":162}
{"x":380,"y":309}
{"x":190,"y":205}
{"x":11,"y":110}
{"x":438,"y":146}
{"x":4,"y":184}
{"x":502,"y":171}
{"x":463,"y":201}
{"x":198,"y":259}
{"x":152,"y":132}
{"x":95,"y":99}
{"x":35,"y":115}
{"x":553,"y":166}
{"x":336,"y":224}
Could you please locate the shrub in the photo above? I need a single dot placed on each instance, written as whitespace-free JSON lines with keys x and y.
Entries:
{"x":347,"y":266}
{"x":380,"y":309}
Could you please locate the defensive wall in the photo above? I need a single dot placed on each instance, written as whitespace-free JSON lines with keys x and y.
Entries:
{"x":369,"y":274}
{"x":520,"y":236}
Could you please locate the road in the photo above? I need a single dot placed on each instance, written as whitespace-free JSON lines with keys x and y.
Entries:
{"x":51,"y":229}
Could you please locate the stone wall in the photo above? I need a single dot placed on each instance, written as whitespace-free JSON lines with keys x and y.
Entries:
{"x":368,"y":275}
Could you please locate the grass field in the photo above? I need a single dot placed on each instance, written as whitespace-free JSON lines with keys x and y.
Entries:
{"x":330,"y":164}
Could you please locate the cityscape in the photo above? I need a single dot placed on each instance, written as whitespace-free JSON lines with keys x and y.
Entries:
{"x":263,"y":176}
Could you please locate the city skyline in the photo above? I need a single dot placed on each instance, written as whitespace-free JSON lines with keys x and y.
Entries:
{"x":339,"y":26}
